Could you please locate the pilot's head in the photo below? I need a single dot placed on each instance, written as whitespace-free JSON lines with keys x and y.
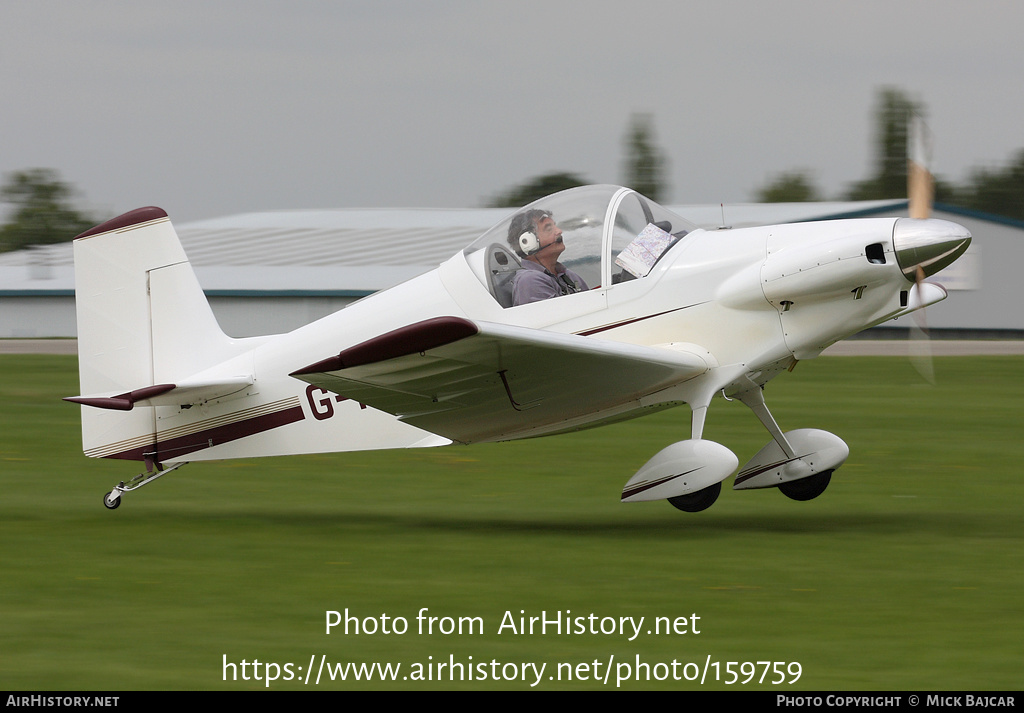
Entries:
{"x":533,"y":232}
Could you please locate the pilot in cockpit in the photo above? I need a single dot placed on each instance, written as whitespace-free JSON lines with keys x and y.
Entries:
{"x":535,"y":237}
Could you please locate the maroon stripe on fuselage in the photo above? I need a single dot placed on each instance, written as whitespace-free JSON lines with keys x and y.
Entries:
{"x":623,"y":323}
{"x":176,"y":447}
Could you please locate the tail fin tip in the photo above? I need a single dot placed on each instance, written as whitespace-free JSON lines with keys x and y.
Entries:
{"x":126,"y":220}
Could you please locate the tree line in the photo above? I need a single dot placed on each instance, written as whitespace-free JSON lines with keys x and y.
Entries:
{"x":999,"y":191}
{"x":43,"y":209}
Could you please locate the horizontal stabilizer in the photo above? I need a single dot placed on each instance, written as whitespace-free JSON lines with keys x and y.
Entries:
{"x":184,"y":394}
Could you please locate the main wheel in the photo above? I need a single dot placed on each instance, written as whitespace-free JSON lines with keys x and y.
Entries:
{"x":111,"y":504}
{"x":700,"y":500}
{"x":807,"y":488}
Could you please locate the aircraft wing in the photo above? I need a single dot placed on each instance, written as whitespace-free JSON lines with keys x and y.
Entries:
{"x":474,"y":381}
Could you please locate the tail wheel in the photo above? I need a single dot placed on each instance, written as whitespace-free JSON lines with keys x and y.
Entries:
{"x":700,"y":500}
{"x":807,"y":488}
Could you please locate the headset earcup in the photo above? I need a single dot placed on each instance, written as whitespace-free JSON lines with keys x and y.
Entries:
{"x":528,"y":243}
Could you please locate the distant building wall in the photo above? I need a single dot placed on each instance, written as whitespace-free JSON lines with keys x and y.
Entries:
{"x":253,"y":316}
{"x":25,"y":317}
{"x":37,"y":297}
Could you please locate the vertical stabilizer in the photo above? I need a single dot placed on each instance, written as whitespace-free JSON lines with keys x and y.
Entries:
{"x":143,"y":320}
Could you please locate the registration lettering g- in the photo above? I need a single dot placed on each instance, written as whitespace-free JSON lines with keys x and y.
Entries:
{"x":321,"y":406}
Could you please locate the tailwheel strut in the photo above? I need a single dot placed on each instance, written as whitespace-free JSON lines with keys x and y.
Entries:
{"x":113,"y":499}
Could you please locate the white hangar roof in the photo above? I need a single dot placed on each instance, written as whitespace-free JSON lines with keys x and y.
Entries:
{"x":349,"y":252}
{"x":306,"y":264}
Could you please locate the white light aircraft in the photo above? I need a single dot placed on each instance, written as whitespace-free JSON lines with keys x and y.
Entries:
{"x":670,"y":315}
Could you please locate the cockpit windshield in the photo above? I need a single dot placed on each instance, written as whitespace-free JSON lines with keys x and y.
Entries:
{"x":579,"y":239}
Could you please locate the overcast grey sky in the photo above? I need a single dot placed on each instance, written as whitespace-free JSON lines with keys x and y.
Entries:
{"x":212,"y":107}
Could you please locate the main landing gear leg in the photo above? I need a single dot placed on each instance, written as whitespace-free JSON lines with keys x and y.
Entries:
{"x":799,"y":463}
{"x":754,"y":400}
{"x":113,"y":499}
{"x":706,"y":497}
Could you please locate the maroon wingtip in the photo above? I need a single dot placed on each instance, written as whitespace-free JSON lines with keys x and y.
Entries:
{"x":132,"y":217}
{"x":148,"y":392}
{"x":329,"y":364}
{"x":122,"y":402}
{"x":113,"y":403}
{"x":411,"y":339}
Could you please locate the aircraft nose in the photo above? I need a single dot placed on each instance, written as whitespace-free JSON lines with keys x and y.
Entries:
{"x":928,"y":244}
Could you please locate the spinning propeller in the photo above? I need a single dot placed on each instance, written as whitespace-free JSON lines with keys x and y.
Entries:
{"x":923,"y":245}
{"x":920,"y":184}
{"x":920,"y":196}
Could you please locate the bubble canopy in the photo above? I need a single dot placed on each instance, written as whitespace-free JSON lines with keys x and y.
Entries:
{"x":611,"y":235}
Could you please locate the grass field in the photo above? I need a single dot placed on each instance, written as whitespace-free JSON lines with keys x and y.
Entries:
{"x":907,"y":574}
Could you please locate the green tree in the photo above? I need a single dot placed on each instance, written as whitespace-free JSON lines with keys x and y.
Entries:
{"x":789,"y":187}
{"x":892,"y":118}
{"x":645,"y":164}
{"x":42,"y":210}
{"x":536,"y":188}
{"x":999,"y":191}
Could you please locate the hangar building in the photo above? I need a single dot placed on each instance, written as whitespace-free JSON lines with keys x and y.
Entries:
{"x":271,"y":272}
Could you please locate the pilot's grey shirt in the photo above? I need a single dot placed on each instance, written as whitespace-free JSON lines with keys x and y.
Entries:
{"x":534,"y":283}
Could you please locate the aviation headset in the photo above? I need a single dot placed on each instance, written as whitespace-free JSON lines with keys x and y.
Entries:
{"x":522,"y":237}
{"x":528,"y":243}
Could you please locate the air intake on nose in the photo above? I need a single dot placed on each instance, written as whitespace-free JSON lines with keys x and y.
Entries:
{"x":875,"y":253}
